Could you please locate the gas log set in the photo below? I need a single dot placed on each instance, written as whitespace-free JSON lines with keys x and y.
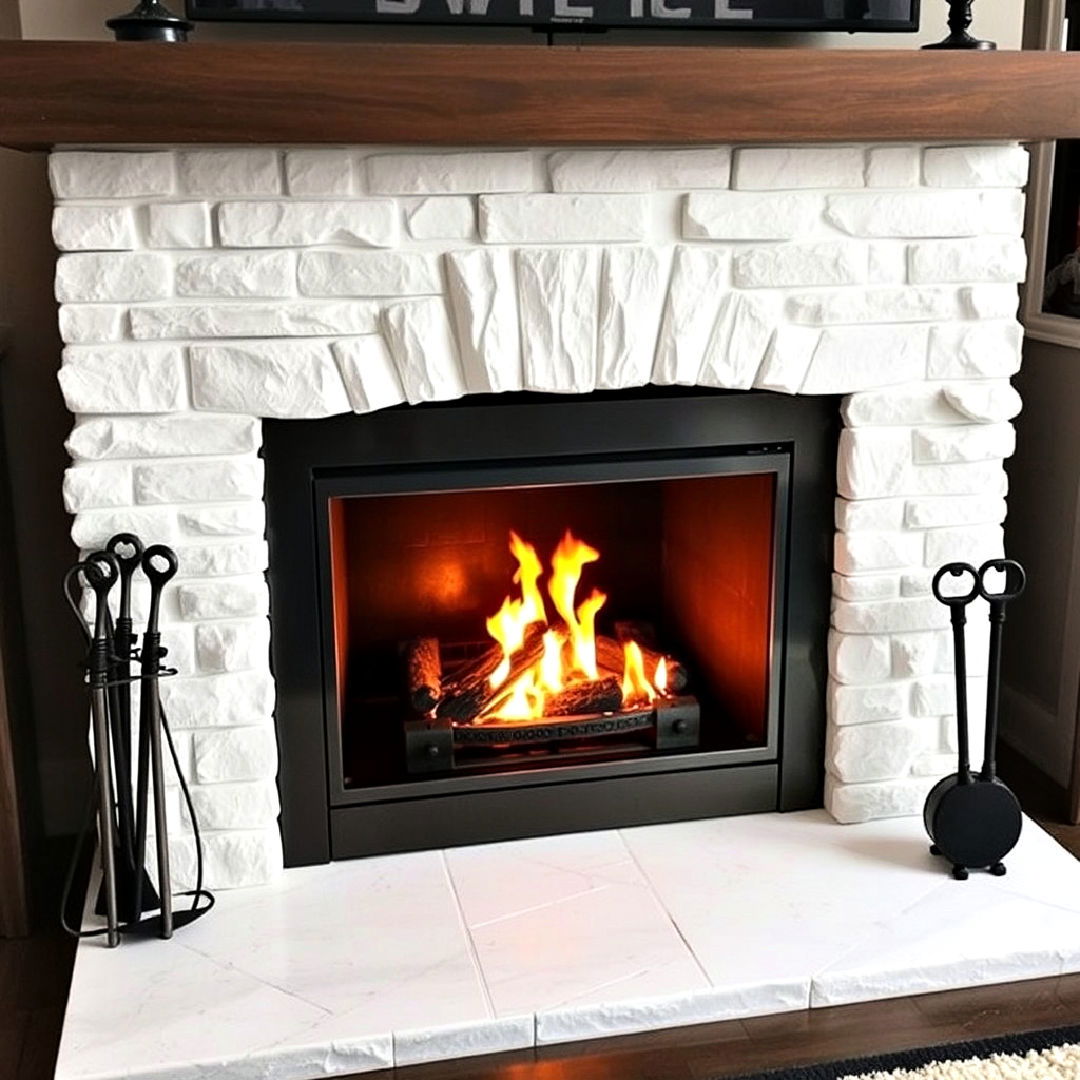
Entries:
{"x":545,"y":684}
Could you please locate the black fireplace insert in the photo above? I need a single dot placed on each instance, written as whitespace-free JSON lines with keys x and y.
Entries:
{"x":530,"y":614}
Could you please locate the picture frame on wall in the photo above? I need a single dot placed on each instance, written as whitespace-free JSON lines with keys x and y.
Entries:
{"x":864,"y":16}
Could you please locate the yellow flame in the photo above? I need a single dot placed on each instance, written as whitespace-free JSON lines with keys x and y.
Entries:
{"x":508,"y":625}
{"x":527,"y":575}
{"x":635,"y":687}
{"x":566,"y":565}
{"x":551,"y":674}
{"x":525,"y":700}
{"x":660,"y":679}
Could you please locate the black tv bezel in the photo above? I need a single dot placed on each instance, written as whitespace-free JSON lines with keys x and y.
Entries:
{"x":815,"y":26}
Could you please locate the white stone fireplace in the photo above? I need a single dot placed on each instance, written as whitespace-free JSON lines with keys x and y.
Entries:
{"x":205,"y":290}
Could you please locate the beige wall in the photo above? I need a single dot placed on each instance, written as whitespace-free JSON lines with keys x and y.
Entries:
{"x":999,"y":20}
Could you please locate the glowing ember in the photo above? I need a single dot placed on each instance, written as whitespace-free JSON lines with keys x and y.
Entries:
{"x":569,"y":654}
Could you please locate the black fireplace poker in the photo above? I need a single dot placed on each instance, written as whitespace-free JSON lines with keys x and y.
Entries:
{"x":150,"y":20}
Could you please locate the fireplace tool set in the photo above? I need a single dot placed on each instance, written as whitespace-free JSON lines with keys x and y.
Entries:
{"x":973,"y":819}
{"x":121,"y":809}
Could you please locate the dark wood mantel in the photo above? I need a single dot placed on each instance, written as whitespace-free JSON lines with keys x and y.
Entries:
{"x":94,"y":93}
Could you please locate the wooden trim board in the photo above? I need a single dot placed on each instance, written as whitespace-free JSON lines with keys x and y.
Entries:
{"x":299,"y":93}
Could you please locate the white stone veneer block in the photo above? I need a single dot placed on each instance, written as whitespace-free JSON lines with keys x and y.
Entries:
{"x":774,"y":168}
{"x":699,"y":277}
{"x":893,"y":305}
{"x":788,"y":265}
{"x":368,"y":273}
{"x":229,"y":172}
{"x":744,"y":215}
{"x":740,"y":339}
{"x":860,"y":553}
{"x":236,"y":858}
{"x":238,"y":699}
{"x":859,"y":659}
{"x":363,"y":222}
{"x":235,"y":806}
{"x":97,"y":485}
{"x":979,"y":442}
{"x":320,"y":172}
{"x":90,"y":277}
{"x":633,"y":283}
{"x":484,"y":298}
{"x":860,"y":753}
{"x":102,"y":174}
{"x":930,"y":513}
{"x":639,"y":170}
{"x":975,"y":166}
{"x":94,"y":228}
{"x":983,"y":350}
{"x":788,"y":359}
{"x":984,"y":402}
{"x":263,"y":273}
{"x":368,"y":372}
{"x":979,"y":259}
{"x":92,"y":324}
{"x":929,"y":214}
{"x":867,"y":704}
{"x":239,"y":519}
{"x":853,"y":803}
{"x":103,"y":437}
{"x":246,"y":753}
{"x":229,"y":558}
{"x":868,"y":515}
{"x":893,"y":167}
{"x":863,"y":357}
{"x":562,"y":219}
{"x":187,"y":480}
{"x":223,"y":599}
{"x":123,"y":379}
{"x":91,"y":529}
{"x":448,"y":217}
{"x":916,"y":403}
{"x":232,"y":646}
{"x":179,"y":225}
{"x":281,"y":319}
{"x":468,"y":173}
{"x":269,"y":378}
{"x":421,"y":343}
{"x":558,"y":299}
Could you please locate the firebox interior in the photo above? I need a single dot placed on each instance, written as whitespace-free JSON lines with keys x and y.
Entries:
{"x":691,"y":558}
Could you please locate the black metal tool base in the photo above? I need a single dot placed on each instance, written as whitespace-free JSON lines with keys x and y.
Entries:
{"x":150,"y":21}
{"x":125,"y":893}
{"x":961,"y":873}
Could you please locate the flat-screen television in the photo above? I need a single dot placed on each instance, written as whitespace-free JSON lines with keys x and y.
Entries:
{"x":798,"y":15}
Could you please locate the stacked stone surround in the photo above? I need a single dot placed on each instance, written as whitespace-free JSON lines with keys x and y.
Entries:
{"x":204,"y":290}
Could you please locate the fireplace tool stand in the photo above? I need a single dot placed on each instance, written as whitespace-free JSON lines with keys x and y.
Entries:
{"x":974,"y":821}
{"x":122,"y":821}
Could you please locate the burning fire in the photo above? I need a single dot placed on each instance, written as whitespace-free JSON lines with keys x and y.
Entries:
{"x":569,"y":653}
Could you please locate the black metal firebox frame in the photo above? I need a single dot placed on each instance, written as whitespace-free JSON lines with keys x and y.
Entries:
{"x":530,"y":439}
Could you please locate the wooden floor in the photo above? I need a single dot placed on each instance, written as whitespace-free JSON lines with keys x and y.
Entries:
{"x":34,"y":976}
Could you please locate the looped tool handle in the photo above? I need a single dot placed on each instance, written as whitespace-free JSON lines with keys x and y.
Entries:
{"x":101,"y":572}
{"x":155,"y":574}
{"x":956,"y":570}
{"x":1015,"y":580}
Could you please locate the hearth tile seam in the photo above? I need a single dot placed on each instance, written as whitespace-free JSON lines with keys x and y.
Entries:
{"x":664,"y":908}
{"x":239,"y":969}
{"x":539,"y":907}
{"x":474,"y":956}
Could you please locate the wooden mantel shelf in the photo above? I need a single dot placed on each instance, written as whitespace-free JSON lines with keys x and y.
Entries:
{"x":109,"y":93}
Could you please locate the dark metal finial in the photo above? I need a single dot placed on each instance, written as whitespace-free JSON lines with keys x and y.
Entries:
{"x":150,"y":20}
{"x":959,"y":21}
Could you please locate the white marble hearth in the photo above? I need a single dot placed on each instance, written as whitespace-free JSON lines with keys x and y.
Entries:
{"x":401,"y":959}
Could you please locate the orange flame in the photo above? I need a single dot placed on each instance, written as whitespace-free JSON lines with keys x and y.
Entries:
{"x":636,"y":689}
